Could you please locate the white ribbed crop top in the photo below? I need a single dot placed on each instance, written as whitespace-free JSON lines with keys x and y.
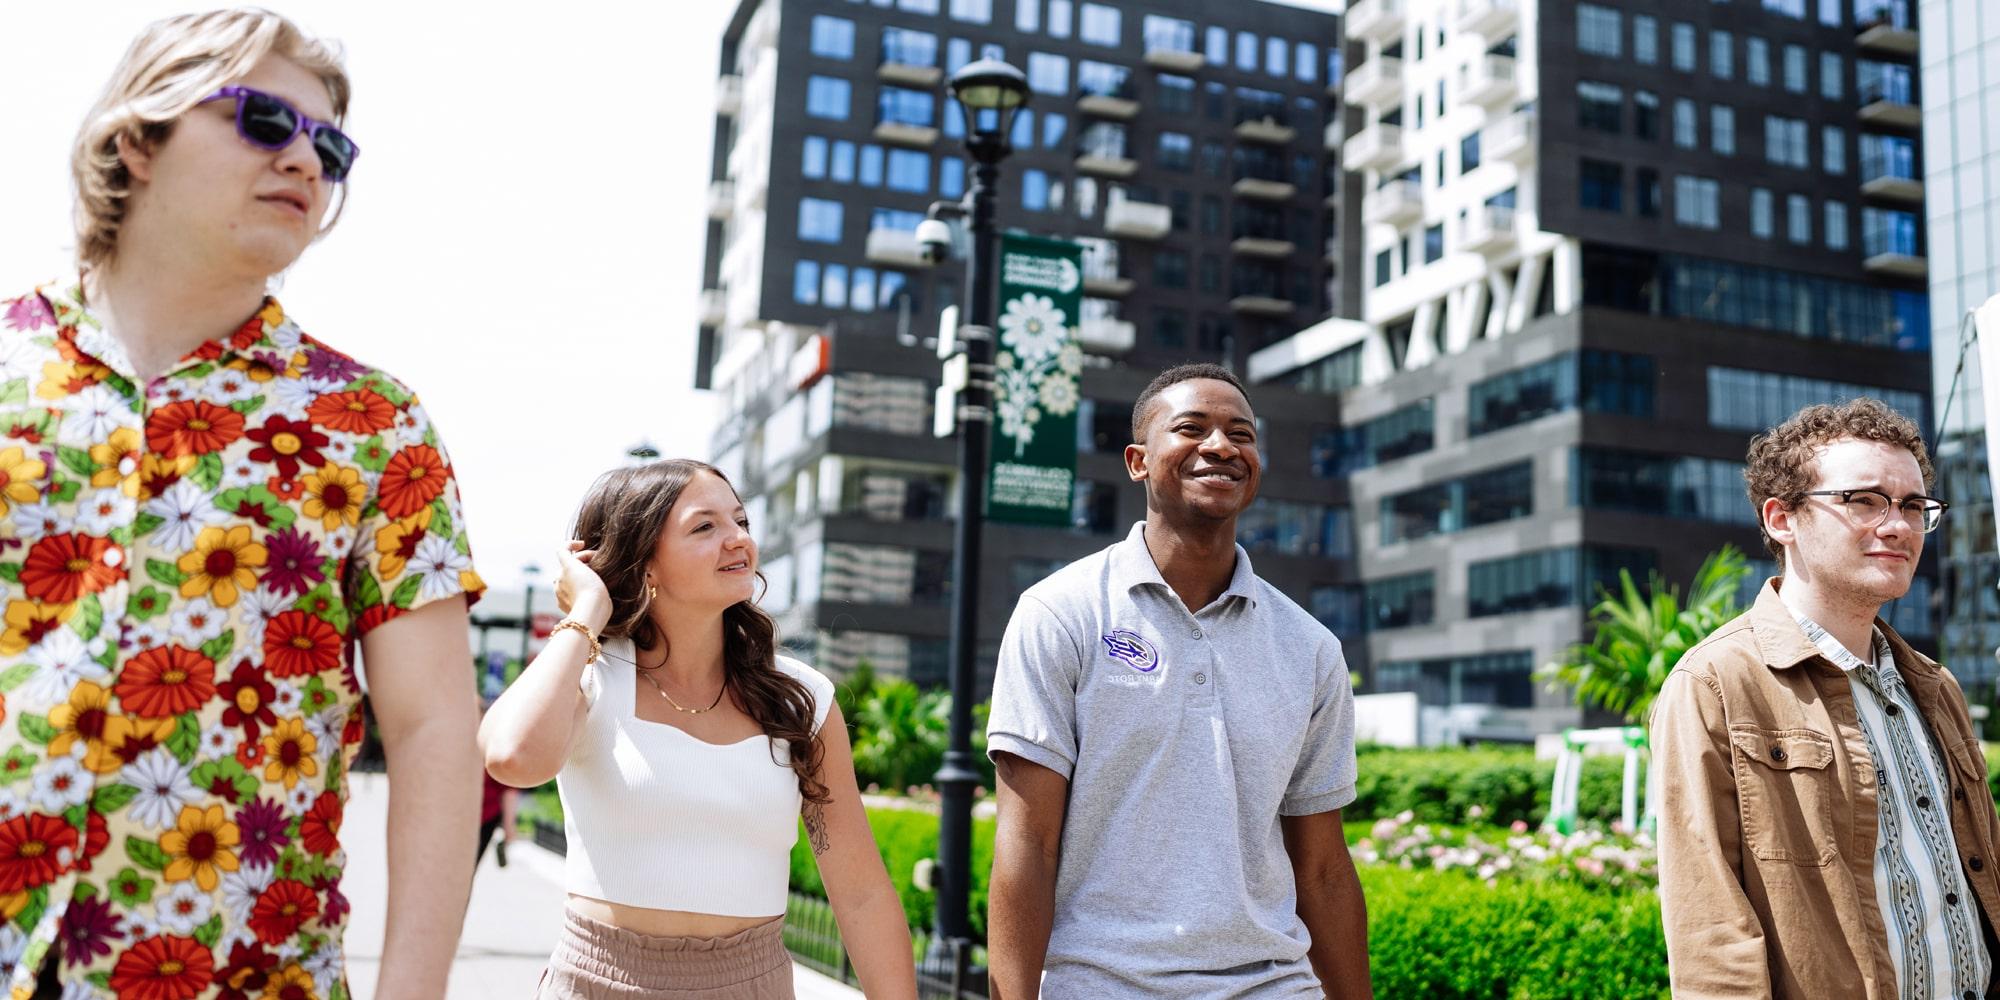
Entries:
{"x":660,"y":819}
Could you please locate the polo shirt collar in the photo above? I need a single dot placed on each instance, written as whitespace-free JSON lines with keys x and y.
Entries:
{"x":265,"y":335}
{"x":1132,"y":564}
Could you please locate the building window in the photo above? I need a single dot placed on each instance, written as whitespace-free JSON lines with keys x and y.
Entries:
{"x":1836,"y":225}
{"x":1297,"y":529}
{"x":1163,"y":34}
{"x":913,"y":6}
{"x":1798,"y":219}
{"x":1832,"y":71}
{"x":1505,"y":679}
{"x":1722,"y":129}
{"x":1551,"y":578}
{"x":1339,"y":609}
{"x":909,"y":171}
{"x":1276,"y":52}
{"x":1801,"y":305}
{"x":1170,"y":268}
{"x":1602,"y":185}
{"x":1054,"y":125}
{"x":1698,"y":202}
{"x":1597,"y":381}
{"x":1433,"y":243}
{"x":1833,"y":149}
{"x":1035,"y":190}
{"x":1048,"y":74}
{"x":1099,"y":25}
{"x":1757,"y":53}
{"x":1382,"y":268}
{"x":1886,"y":231}
{"x":1795,"y":9}
{"x":1246,"y":51}
{"x":1482,"y":498}
{"x":1763,"y":206}
{"x":1169,"y":328}
{"x":1468,"y":153}
{"x":1646,"y":39}
{"x":812,"y":161}
{"x":1598,"y":30}
{"x":805,"y":282}
{"x":1829,"y":12}
{"x":1646,"y":184}
{"x":832,"y":37}
{"x":972,"y":11}
{"x":1305,"y":62}
{"x":1402,"y":601}
{"x":841,"y":166}
{"x":909,"y":48}
{"x":1176,"y":94}
{"x":1879,"y":81}
{"x":1645,"y":114}
{"x":1677,"y":486}
{"x":1215,"y":49}
{"x":1684,"y":46}
{"x":1329,"y":375}
{"x":1785,"y":141}
{"x":828,"y":97}
{"x":1400,"y":433}
{"x":1687,"y":131}
{"x":1743,"y":400}
{"x":900,"y":106}
{"x":819,"y":220}
{"x":1103,"y":140}
{"x":833,"y":286}
{"x":1096,"y":79}
{"x":1059,"y":18}
{"x":1600,"y":106}
{"x":871,"y":166}
{"x":1795,"y":69}
{"x":1721,"y":55}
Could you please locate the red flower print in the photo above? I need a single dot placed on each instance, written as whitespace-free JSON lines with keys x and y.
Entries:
{"x":29,"y":433}
{"x":284,"y":906}
{"x":163,"y":968}
{"x":293,"y":566}
{"x":285,"y":489}
{"x":192,"y":427}
{"x":33,"y":849}
{"x":250,"y":754}
{"x":96,"y":837}
{"x":375,"y":616}
{"x":297,"y":643}
{"x":414,"y":477}
{"x":360,"y":412}
{"x":287,"y":444}
{"x":62,"y":568}
{"x":249,"y":696}
{"x":319,"y":830}
{"x":248,"y":970}
{"x":89,"y":927}
{"x":165,"y":681}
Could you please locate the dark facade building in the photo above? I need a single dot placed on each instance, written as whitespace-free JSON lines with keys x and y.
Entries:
{"x":1185,"y":145}
{"x":1603,"y":244}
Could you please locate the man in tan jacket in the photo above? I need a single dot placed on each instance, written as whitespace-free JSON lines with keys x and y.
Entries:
{"x":1826,"y":828}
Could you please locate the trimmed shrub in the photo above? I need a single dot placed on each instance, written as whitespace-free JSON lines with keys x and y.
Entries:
{"x":1506,"y":785}
{"x":906,"y":836}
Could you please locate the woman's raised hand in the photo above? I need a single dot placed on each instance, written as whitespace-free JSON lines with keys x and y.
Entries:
{"x":580,"y":592}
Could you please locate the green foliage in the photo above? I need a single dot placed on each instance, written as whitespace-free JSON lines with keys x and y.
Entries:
{"x":906,"y":836}
{"x":1496,"y":786}
{"x":1640,"y":637}
{"x":900,"y":732}
{"x":1443,"y":936}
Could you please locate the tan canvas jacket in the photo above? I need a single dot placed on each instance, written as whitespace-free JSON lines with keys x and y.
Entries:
{"x":1768,"y":821}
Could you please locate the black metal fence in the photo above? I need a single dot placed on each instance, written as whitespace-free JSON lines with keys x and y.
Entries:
{"x":812,"y":936}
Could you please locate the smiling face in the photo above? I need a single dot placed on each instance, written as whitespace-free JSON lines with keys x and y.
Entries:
{"x":232,"y":207}
{"x":1199,"y":459}
{"x":1832,"y":548}
{"x":705,"y":557}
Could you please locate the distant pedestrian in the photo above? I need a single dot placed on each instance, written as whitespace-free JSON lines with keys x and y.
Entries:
{"x":687,"y":752}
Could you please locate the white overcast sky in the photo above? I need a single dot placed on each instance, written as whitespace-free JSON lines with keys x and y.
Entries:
{"x":523,"y":242}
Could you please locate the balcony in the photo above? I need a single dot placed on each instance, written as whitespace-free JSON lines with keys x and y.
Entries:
{"x":1375,"y":20}
{"x":1489,"y":80}
{"x":894,"y":246}
{"x":1263,"y":189}
{"x":905,"y":134}
{"x":1334,"y":135}
{"x":1890,"y":185}
{"x":1887,"y":28}
{"x":1489,"y":229}
{"x":1173,"y":60}
{"x":1891,"y":106}
{"x":714,"y":304}
{"x":1395,"y":203}
{"x":1271,"y":247}
{"x":1377,"y":83}
{"x":728,"y":95}
{"x":1106,"y":161}
{"x":1896,"y":264}
{"x":908,"y":63}
{"x":1510,"y":138}
{"x":1106,"y":335}
{"x":721,"y":200}
{"x":1489,"y":18}
{"x":1107,"y":286}
{"x":1120,"y":102}
{"x":1377,"y":147}
{"x":1261,"y":305}
{"x":1136,"y":219}
{"x":1268,"y":127}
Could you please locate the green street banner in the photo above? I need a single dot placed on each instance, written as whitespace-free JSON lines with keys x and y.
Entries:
{"x":1036,"y":365}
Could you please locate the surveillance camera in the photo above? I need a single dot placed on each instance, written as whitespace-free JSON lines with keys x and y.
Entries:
{"x":933,"y":240}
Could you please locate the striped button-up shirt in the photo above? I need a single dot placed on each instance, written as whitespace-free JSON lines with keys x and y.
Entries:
{"x":1934,"y":936}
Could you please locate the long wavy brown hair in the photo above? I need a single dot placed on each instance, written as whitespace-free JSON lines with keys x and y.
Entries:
{"x":622,"y":518}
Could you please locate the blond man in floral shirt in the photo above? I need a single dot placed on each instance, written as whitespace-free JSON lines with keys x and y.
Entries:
{"x":201,"y":510}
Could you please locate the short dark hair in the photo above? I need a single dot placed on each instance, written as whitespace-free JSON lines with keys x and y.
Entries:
{"x":1175,"y":376}
{"x":1783,"y":463}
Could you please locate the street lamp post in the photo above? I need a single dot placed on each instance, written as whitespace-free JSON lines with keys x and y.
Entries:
{"x":528,"y":574}
{"x":989,"y":92}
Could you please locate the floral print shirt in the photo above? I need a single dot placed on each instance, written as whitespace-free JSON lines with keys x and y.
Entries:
{"x":185,"y":566}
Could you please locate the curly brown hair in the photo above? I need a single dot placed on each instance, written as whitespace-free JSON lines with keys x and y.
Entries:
{"x":622,"y":518}
{"x":1782,"y":463}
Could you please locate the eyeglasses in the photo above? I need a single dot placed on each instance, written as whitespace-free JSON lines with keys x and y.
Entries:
{"x":1869,"y":508}
{"x":270,"y":122}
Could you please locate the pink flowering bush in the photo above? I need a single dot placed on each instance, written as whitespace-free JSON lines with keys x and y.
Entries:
{"x":1612,"y":860}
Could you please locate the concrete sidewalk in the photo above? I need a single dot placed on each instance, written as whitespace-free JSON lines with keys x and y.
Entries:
{"x":512,"y":925}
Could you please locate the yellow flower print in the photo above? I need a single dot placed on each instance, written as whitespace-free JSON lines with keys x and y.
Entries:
{"x":117,"y":459}
{"x":157,"y":472}
{"x":335,"y":494}
{"x":200,"y":846}
{"x":18,"y":473}
{"x":397,"y":542}
{"x":108,"y":738}
{"x":221,"y":563}
{"x":288,"y":752}
{"x":28,"y":621}
{"x":63,"y":379}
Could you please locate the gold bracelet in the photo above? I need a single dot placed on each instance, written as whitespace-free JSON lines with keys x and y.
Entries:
{"x":595,"y":649}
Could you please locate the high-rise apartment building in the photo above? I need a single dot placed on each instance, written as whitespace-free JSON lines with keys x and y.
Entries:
{"x":1602,"y":244}
{"x":1185,"y":145}
{"x":1960,"y":63}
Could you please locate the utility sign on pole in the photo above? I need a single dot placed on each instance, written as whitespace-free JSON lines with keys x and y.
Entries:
{"x":1036,"y":369}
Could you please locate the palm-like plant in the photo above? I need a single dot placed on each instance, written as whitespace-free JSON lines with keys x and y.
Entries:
{"x":899,"y":734}
{"x":1640,"y":637}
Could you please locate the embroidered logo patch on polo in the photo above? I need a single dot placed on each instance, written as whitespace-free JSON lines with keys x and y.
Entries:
{"x":1129,"y":648}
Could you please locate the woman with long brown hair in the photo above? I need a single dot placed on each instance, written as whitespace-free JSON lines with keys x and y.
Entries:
{"x":687,"y":751}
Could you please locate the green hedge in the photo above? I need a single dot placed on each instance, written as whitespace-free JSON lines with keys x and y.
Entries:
{"x":1445,"y":936}
{"x":1442,"y":786}
{"x":906,"y":836}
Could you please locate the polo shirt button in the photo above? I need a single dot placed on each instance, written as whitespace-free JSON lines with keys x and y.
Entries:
{"x":1197,"y":633}
{"x":1201,"y":678}
{"x":1923,"y":802}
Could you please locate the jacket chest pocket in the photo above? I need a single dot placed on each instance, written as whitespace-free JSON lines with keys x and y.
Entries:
{"x":1787,"y":792}
{"x":1969,"y":783}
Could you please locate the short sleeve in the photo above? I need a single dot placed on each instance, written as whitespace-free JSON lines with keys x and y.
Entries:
{"x":817,"y":685}
{"x":1033,"y":713}
{"x":1323,"y":780}
{"x":411,"y":546}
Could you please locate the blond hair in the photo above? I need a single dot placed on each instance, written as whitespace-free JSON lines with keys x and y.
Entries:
{"x":170,"y":67}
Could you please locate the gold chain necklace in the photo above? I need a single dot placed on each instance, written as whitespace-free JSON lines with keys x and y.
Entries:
{"x":647,"y":673}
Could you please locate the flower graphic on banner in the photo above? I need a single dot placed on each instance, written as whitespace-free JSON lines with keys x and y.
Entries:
{"x":1037,"y":369}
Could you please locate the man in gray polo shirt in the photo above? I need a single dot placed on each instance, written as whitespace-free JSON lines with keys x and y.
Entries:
{"x":1170,"y":780}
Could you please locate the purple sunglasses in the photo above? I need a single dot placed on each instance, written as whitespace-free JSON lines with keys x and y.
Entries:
{"x":270,"y":122}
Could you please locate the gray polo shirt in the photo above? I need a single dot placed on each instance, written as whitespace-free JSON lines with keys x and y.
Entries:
{"x":1184,"y":737}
